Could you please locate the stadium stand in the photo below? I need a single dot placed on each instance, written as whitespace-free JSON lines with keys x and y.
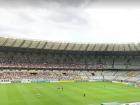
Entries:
{"x":44,"y":60}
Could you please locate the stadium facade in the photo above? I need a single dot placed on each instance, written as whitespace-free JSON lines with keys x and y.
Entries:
{"x":56,"y":61}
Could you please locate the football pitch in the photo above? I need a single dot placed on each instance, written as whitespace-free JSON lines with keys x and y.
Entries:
{"x":72,"y":93}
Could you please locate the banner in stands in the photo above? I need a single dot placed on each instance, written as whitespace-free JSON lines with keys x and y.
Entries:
{"x":5,"y":81}
{"x":26,"y":81}
{"x":16,"y":81}
{"x":39,"y":80}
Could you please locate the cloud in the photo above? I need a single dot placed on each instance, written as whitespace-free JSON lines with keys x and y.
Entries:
{"x":71,"y":20}
{"x":63,"y":3}
{"x":43,"y":3}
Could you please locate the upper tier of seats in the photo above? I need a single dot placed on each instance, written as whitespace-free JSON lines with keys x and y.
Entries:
{"x":50,"y":60}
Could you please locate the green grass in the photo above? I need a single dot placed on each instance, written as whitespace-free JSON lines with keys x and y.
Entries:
{"x":48,"y":94}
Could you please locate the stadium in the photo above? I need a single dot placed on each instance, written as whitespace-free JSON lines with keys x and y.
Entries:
{"x":69,"y":52}
{"x":58,"y":73}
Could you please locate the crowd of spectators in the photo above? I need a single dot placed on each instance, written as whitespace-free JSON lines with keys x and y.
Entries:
{"x":56,"y":75}
{"x":44,"y":74}
{"x":64,"y":67}
{"x":29,"y":60}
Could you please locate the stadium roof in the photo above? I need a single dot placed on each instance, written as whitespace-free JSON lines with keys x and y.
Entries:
{"x":22,"y":43}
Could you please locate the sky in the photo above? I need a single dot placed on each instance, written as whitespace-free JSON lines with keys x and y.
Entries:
{"x":82,"y":21}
